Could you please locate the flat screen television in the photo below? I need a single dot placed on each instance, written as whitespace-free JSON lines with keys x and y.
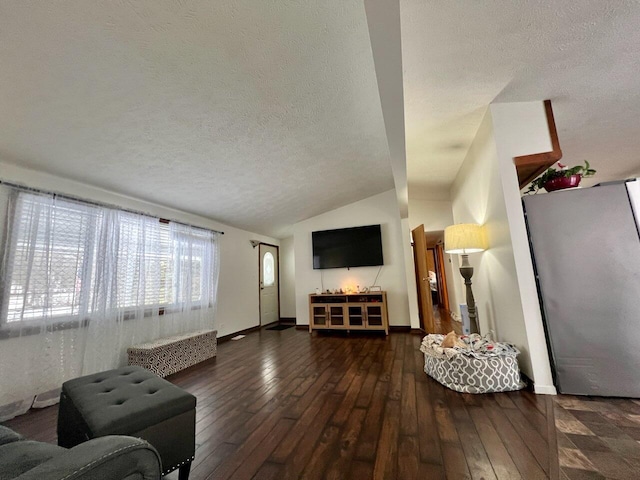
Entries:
{"x":347,"y":247}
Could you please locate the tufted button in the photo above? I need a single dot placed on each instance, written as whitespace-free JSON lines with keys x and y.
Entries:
{"x":120,"y":402}
{"x":138,"y":382}
{"x":151,"y":392}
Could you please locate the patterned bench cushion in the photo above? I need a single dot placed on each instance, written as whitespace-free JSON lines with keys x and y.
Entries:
{"x":170,"y":355}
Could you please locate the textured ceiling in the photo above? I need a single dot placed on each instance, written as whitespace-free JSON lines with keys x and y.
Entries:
{"x":460,"y":56}
{"x":261,"y":114}
{"x":254,"y":113}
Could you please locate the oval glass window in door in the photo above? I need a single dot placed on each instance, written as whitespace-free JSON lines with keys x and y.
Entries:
{"x":268,"y":270}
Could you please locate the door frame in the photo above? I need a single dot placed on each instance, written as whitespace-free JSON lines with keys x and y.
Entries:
{"x":432,"y":251}
{"x":442,"y":274}
{"x":260,"y":286}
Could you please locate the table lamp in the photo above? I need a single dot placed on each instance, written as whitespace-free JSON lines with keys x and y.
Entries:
{"x":463,"y":239}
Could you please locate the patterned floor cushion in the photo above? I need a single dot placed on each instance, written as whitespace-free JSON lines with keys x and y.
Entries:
{"x":482,"y":366}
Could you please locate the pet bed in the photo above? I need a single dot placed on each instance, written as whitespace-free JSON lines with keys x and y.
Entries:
{"x":476,"y":365}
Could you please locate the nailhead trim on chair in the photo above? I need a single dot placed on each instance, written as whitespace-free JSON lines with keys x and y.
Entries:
{"x":169,"y":470}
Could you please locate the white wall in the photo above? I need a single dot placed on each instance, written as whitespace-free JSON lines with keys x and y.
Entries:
{"x":380,"y":209}
{"x":521,"y":129}
{"x":483,"y":193}
{"x":238,"y":302}
{"x":287,"y":278}
{"x":410,"y":275}
{"x":435,"y":215}
{"x":478,"y":198}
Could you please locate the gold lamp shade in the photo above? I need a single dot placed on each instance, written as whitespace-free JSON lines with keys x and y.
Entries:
{"x":464,"y":238}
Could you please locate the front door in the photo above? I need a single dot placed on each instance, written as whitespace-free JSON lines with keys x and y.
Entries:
{"x":269,"y":303}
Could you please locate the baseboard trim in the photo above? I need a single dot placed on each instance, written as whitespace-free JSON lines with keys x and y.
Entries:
{"x":537,"y":388}
{"x":226,"y":338}
{"x":544,"y":389}
{"x":528,"y":383}
{"x":392,"y":329}
{"x":288,"y":320}
{"x":399,"y":328}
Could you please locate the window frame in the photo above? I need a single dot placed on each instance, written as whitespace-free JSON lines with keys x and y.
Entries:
{"x":20,"y":327}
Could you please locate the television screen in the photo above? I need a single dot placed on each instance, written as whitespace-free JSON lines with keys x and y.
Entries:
{"x":347,"y":247}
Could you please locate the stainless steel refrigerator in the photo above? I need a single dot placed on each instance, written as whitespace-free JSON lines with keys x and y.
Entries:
{"x":586,"y":248}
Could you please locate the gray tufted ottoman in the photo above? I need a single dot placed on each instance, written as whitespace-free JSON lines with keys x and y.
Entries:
{"x":130,"y":401}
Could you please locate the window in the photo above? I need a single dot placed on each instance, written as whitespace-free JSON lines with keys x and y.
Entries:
{"x":71,"y":259}
{"x":268,"y":270}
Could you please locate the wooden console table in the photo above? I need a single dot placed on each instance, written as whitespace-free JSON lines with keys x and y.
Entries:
{"x":356,"y":311}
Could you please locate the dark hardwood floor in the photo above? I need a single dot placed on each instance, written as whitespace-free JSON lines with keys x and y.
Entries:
{"x":443,"y":322}
{"x":286,"y":404}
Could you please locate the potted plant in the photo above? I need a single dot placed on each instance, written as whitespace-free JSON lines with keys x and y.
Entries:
{"x":565,"y":177}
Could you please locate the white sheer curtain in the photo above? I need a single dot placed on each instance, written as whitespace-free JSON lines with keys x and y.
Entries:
{"x":80,"y":283}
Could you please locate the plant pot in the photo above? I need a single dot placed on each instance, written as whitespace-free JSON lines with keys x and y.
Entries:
{"x":561,"y":183}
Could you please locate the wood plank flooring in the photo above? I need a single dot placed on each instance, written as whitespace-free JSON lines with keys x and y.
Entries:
{"x":443,"y":322}
{"x":286,"y":405}
{"x":598,"y":438}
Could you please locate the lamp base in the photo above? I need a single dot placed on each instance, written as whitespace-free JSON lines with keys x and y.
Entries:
{"x":466,"y":271}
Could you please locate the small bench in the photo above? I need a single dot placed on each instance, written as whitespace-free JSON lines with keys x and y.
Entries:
{"x":170,"y":355}
{"x":130,"y":401}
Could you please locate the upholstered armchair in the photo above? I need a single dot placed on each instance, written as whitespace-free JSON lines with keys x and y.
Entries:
{"x":106,"y":458}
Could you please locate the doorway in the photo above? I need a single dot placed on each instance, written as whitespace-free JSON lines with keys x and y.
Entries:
{"x":269,"y":283}
{"x":436,"y":269}
{"x":431,"y":281}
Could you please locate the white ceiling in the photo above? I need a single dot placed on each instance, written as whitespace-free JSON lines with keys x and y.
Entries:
{"x":261,"y":114}
{"x":460,"y":56}
{"x":256,"y":114}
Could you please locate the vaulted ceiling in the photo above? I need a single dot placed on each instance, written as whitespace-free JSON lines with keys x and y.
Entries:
{"x":256,"y":114}
{"x":261,"y":114}
{"x":458,"y":57}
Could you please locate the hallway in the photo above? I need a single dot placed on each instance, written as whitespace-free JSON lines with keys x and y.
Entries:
{"x":444,"y":323}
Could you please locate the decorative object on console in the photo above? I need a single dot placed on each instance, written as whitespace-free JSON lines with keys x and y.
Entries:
{"x":565,"y":177}
{"x":463,"y":239}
